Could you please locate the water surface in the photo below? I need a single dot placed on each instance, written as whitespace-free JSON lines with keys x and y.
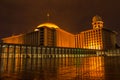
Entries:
{"x":82,"y":68}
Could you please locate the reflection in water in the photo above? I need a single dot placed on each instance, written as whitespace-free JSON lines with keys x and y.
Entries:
{"x":82,"y":68}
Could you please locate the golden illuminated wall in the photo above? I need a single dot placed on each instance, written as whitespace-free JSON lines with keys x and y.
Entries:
{"x":15,"y":39}
{"x":99,"y":38}
{"x":90,"y":39}
{"x":64,"y":39}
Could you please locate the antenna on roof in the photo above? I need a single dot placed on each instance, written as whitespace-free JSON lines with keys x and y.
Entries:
{"x":48,"y":17}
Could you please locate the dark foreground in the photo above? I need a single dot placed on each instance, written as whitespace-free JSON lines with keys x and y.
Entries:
{"x":83,"y":68}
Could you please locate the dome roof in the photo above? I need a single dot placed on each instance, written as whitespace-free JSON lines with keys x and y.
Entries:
{"x":50,"y":25}
{"x":96,"y":18}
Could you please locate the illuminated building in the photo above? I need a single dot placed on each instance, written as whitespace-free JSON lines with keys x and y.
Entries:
{"x":16,"y":39}
{"x":46,"y":34}
{"x":96,"y":38}
{"x":49,"y":34}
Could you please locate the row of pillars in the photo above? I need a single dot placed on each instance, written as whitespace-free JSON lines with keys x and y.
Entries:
{"x":12,"y":50}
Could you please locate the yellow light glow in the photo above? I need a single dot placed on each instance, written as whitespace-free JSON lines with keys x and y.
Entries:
{"x":50,"y":25}
{"x":36,"y":30}
{"x":93,"y":46}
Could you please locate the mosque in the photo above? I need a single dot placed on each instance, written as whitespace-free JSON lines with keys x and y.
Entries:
{"x":49,"y":34}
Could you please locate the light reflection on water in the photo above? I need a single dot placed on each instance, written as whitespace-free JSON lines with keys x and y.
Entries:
{"x":83,"y":68}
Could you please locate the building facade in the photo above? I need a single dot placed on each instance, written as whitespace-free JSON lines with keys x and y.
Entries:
{"x":64,"y":39}
{"x":96,"y":38}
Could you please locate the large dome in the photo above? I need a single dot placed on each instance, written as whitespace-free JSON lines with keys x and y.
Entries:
{"x":50,"y":25}
{"x":96,"y":18}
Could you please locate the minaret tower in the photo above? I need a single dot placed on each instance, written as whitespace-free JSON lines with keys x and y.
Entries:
{"x":97,"y":22}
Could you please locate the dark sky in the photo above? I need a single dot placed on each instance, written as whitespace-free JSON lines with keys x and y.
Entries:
{"x":20,"y":16}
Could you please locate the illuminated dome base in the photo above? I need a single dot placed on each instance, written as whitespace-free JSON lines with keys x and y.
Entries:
{"x":50,"y":25}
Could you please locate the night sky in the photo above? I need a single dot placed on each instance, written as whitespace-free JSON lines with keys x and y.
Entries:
{"x":21,"y":16}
